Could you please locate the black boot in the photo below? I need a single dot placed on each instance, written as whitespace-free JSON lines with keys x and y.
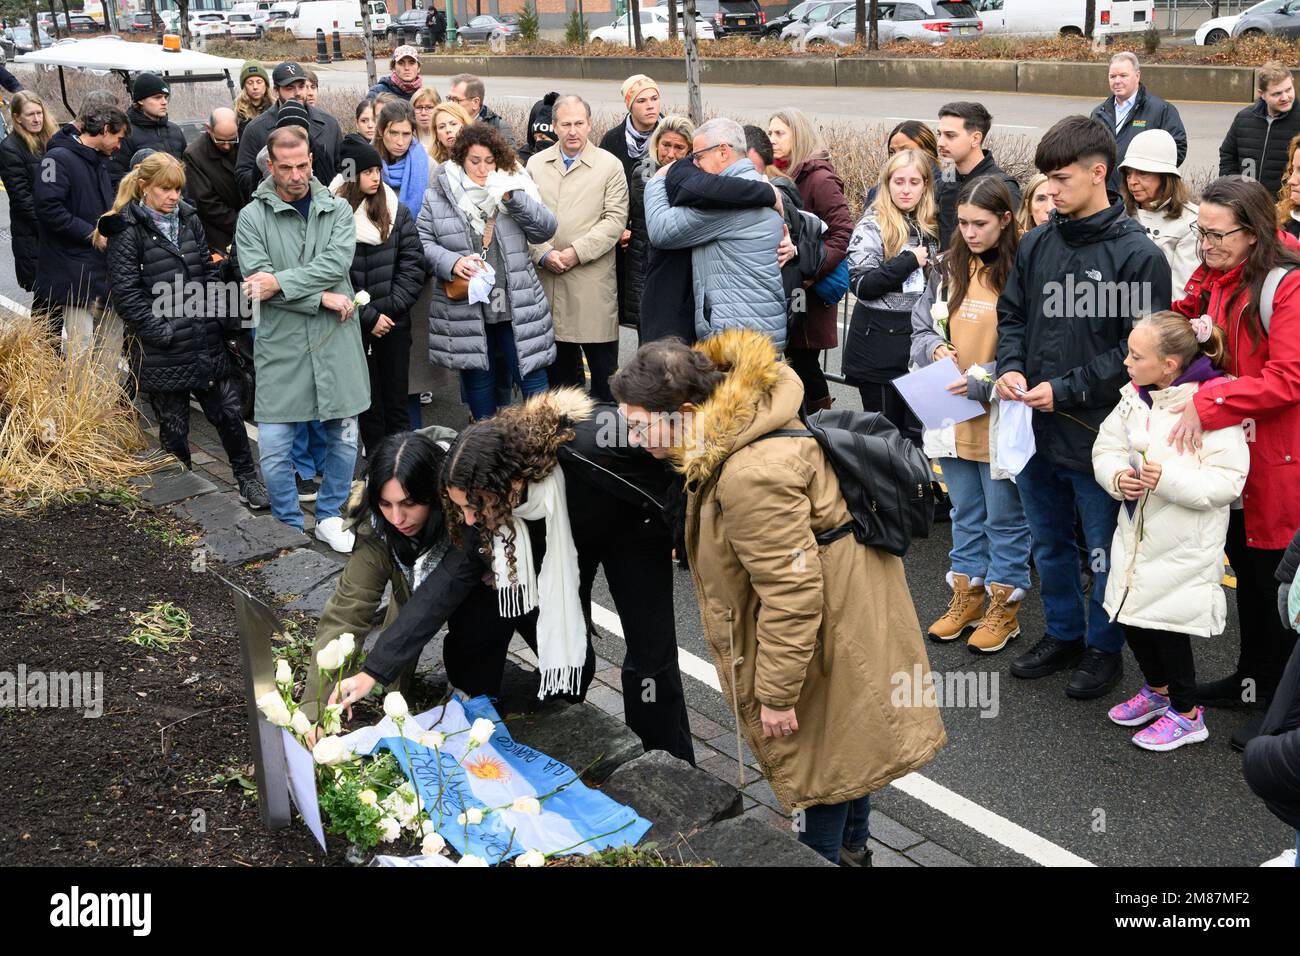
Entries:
{"x":1048,"y":656}
{"x":1226,"y":692}
{"x":1249,"y":730}
{"x":1097,"y":673}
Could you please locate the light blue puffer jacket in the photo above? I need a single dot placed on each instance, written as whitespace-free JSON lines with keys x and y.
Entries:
{"x":733,"y":257}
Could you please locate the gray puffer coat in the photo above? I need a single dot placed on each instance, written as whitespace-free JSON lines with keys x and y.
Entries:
{"x":457,"y":330}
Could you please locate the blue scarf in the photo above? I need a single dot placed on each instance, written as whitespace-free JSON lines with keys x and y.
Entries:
{"x":409,"y":177}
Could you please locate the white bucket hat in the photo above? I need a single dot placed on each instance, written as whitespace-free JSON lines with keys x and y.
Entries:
{"x":1152,"y":151}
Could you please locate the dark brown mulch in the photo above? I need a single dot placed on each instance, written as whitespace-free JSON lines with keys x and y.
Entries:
{"x":117,"y":790}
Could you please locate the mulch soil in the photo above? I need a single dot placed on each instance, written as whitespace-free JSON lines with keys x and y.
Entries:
{"x":156,"y":779}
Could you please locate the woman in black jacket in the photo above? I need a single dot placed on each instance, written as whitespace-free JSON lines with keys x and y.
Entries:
{"x":163,"y":285}
{"x":388,"y":266}
{"x":20,"y":155}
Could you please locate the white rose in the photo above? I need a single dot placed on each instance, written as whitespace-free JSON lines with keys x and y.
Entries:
{"x":433,"y":845}
{"x":395,"y":706}
{"x":283,"y":673}
{"x":939,"y":311}
{"x":332,"y":720}
{"x":469,"y":859}
{"x":472,"y":816}
{"x":531,"y":858}
{"x":432,"y":739}
{"x":330,"y":751}
{"x":1140,"y":443}
{"x":347,"y":645}
{"x":362,"y":298}
{"x":528,"y":805}
{"x":274,"y":708}
{"x":330,"y":657}
{"x":301,"y":725}
{"x":481,"y":732}
{"x":368,"y":797}
{"x":389,"y":829}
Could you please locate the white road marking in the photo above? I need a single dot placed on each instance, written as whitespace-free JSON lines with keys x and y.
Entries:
{"x":980,"y":819}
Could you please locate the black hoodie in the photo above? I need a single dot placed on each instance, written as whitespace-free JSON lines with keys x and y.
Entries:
{"x":1065,"y":315}
{"x":146,"y":132}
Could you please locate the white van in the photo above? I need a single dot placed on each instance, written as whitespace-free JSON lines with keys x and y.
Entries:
{"x":331,"y":15}
{"x":1045,"y":18}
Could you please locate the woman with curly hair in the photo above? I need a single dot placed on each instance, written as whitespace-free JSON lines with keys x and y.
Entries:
{"x":809,"y":629}
{"x":555,"y":491}
{"x":481,"y":212}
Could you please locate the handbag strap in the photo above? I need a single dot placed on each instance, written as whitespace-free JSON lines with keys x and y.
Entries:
{"x":487,"y":234}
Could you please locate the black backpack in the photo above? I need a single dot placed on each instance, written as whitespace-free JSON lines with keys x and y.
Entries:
{"x":884,"y":478}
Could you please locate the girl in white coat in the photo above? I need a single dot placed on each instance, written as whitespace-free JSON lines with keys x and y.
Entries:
{"x":1166,"y":574}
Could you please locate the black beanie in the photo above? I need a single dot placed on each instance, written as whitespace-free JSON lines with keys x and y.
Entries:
{"x":356,"y":156}
{"x":147,"y":85}
{"x":292,"y":113}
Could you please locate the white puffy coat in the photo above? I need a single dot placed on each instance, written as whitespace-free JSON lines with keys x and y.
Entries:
{"x":1166,"y":561}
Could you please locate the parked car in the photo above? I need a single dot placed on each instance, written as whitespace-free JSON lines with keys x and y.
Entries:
{"x":1046,"y":18}
{"x":1218,"y":29}
{"x":818,"y":13}
{"x":654,"y":28}
{"x":733,"y":17}
{"x":344,"y":16}
{"x":16,"y":40}
{"x":772,"y":29}
{"x":922,"y":21}
{"x":141,"y":23}
{"x":407,"y":27}
{"x":481,"y":29}
{"x":80,"y":23}
{"x":246,"y":26}
{"x":208,"y":23}
{"x":1283,"y":22}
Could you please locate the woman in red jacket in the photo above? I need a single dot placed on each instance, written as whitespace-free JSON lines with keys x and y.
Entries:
{"x":801,"y":155}
{"x":1240,"y":243}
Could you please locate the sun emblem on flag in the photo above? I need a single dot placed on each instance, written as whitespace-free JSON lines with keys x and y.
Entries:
{"x":486,"y":767}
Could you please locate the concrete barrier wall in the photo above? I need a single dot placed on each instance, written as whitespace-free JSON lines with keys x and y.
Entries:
{"x":1226,"y":84}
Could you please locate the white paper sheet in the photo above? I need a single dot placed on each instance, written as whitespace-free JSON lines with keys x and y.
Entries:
{"x":925,"y":390}
{"x":302,"y":784}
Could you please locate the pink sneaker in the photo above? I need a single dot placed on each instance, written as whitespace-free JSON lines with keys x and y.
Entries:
{"x":1172,"y":731}
{"x":1145,"y":705}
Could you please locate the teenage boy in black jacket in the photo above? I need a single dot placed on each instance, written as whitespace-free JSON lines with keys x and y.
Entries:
{"x":1063,"y":323}
{"x":963,"y":127}
{"x":1257,"y":141}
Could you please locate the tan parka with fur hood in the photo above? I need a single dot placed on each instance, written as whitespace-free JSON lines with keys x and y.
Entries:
{"x":828,"y":630}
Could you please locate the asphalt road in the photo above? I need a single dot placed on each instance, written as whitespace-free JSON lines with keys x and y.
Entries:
{"x":1054,"y":766}
{"x":1013,"y":113}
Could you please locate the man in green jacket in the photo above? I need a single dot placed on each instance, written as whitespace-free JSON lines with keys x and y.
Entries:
{"x":296,"y":241}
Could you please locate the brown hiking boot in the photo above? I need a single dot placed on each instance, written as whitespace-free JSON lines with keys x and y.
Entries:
{"x":1000,"y":624}
{"x":964,"y":610}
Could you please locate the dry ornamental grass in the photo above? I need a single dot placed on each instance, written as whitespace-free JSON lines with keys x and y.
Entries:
{"x":64,"y":425}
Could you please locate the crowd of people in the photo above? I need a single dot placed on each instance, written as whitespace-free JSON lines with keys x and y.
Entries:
{"x":1132,"y":352}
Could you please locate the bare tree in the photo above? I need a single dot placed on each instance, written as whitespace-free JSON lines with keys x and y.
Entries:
{"x":183,"y":22}
{"x":1089,"y":18}
{"x":694,"y":100}
{"x":634,"y":11}
{"x":873,"y":42}
{"x":34,"y":17}
{"x":672,"y":19}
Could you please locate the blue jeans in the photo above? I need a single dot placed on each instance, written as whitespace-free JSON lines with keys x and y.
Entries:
{"x":990,"y":539}
{"x":275,"y":442}
{"x":309,"y":449}
{"x":833,"y":825}
{"x":1052,"y":496}
{"x":480,"y":385}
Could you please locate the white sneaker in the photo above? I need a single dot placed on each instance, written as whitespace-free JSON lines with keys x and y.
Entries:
{"x":332,"y":532}
{"x":1286,"y":859}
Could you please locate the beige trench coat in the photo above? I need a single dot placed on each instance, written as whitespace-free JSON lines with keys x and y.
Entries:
{"x":828,"y":630}
{"x":590,"y":201}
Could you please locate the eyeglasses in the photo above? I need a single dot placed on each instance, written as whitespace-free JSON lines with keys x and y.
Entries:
{"x":226,"y":142}
{"x":1216,"y":238}
{"x":424,"y":109}
{"x":694,"y":157}
{"x":637,"y":430}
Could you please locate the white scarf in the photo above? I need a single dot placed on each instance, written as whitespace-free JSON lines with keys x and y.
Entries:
{"x":561,"y":626}
{"x":367,"y":231}
{"x":481,"y":203}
